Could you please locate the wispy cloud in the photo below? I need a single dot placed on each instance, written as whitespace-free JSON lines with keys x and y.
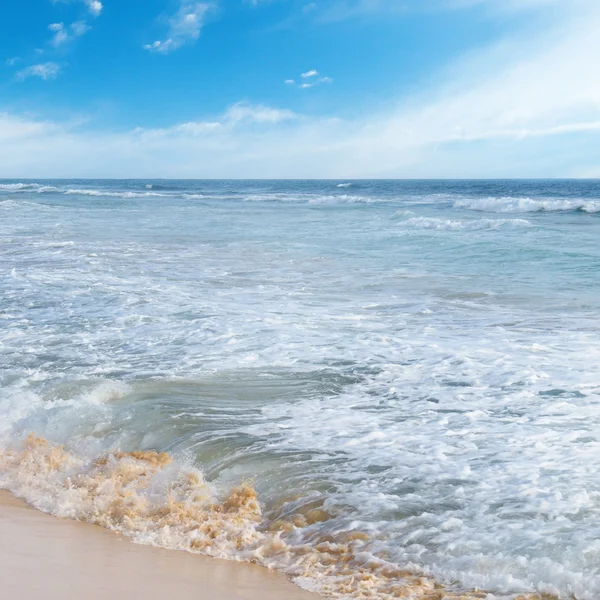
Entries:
{"x":184,"y":27}
{"x":525,"y":107}
{"x":63,"y":35}
{"x":244,"y":112}
{"x":308,"y":79}
{"x":94,"y":7}
{"x":238,"y":116}
{"x":44,"y":71}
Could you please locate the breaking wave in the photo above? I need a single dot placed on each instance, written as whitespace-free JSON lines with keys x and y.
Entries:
{"x":27,"y":187}
{"x":523,"y":205}
{"x":106,"y":194}
{"x":151,"y":499}
{"x":15,"y":187}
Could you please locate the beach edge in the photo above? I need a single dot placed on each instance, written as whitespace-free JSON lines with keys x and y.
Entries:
{"x":61,"y":559}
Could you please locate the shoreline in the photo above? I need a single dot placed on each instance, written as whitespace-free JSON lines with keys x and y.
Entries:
{"x":60,"y":559}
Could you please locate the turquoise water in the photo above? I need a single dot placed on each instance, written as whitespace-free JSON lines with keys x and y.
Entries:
{"x":419,"y":358}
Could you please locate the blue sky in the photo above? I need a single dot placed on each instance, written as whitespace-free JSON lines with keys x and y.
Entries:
{"x":299,"y":88}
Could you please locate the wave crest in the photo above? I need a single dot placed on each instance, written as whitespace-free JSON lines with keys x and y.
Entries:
{"x":151,"y":499}
{"x":522,"y":205}
{"x":106,"y":194}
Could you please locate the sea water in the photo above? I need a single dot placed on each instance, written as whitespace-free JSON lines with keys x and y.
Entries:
{"x":381,"y":388}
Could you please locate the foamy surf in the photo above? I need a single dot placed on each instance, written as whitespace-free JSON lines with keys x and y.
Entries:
{"x":28,"y":187}
{"x":109,"y":194}
{"x":152,"y":500}
{"x":525,"y":205}
{"x":379,"y":363}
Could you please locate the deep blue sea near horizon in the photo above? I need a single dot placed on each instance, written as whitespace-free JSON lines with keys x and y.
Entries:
{"x":408,"y":372}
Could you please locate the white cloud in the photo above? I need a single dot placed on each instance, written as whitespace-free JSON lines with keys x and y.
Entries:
{"x":45,"y":71}
{"x":60,"y":35}
{"x":184,"y":27}
{"x":313,"y":76}
{"x":15,"y":129}
{"x":236,"y":117}
{"x":257,"y":114}
{"x":79,"y":28}
{"x":63,"y":34}
{"x":526,"y":107}
{"x":94,"y":6}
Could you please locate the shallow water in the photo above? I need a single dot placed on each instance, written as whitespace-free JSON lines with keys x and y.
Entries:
{"x":408,"y":370}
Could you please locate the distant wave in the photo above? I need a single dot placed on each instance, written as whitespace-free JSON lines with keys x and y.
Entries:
{"x":102,"y":193}
{"x":199,"y":196}
{"x":344,"y":185}
{"x":456,"y":225}
{"x":27,"y":187}
{"x":15,"y":187}
{"x":522,"y":205}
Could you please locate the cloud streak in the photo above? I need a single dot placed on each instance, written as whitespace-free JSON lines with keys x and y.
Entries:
{"x":63,"y":35}
{"x":184,"y":27}
{"x":44,"y":71}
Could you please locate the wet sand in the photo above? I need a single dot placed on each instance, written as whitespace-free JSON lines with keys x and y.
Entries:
{"x":56,"y":559}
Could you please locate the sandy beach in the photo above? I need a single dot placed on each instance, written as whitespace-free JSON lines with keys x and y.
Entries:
{"x":43,"y":556}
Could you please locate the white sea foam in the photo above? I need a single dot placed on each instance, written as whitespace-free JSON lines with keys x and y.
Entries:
{"x":462,"y":225}
{"x":434,"y":396}
{"x":16,"y":187}
{"x":523,"y":205}
{"x":344,"y":185}
{"x":109,"y":194}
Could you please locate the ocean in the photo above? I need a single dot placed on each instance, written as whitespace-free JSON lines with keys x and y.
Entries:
{"x":383,"y":389}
